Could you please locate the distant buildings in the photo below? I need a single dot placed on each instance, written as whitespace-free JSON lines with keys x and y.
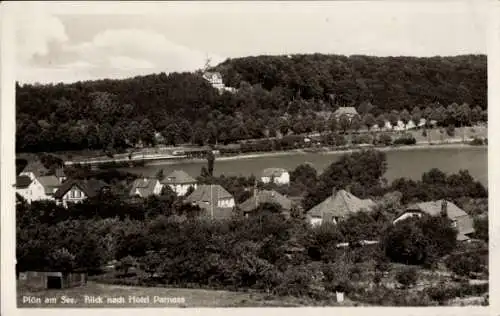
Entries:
{"x":215,"y":79}
{"x":460,"y":219}
{"x":214,"y":200}
{"x":275,"y":175}
{"x":337,"y":207}
{"x":179,"y":181}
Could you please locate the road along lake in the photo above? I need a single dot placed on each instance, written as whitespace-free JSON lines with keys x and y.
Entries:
{"x":408,"y":163}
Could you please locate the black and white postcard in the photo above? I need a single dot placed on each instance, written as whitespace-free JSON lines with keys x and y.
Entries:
{"x":246,"y":154}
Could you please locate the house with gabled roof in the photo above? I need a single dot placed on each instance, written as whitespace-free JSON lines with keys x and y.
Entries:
{"x":214,"y":200}
{"x":30,"y":189}
{"x":145,"y":187}
{"x":460,"y":220}
{"x":75,"y":191}
{"x":337,"y":207}
{"x":266,"y":196}
{"x":275,"y":175}
{"x":34,"y":169}
{"x":180,"y":182}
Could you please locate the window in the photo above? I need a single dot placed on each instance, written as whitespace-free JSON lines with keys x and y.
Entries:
{"x":78,"y":194}
{"x":454,"y":224}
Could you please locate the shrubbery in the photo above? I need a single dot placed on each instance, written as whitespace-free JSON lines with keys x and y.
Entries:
{"x":419,"y":241}
{"x":407,"y":277}
{"x":405,"y":140}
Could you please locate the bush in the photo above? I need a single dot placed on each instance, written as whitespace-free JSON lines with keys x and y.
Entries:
{"x":340,"y":140}
{"x":407,"y":277}
{"x":465,"y":264}
{"x":419,"y":241}
{"x":384,"y":139}
{"x":450,"y":130}
{"x":424,"y":133}
{"x":477,"y":142}
{"x":405,"y":140}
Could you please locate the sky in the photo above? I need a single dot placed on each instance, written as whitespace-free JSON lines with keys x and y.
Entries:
{"x":68,"y":42}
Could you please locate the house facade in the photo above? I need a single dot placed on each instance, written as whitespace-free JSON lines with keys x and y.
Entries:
{"x":275,"y":175}
{"x":214,"y":200}
{"x":337,"y":207}
{"x":180,"y":182}
{"x":30,"y":189}
{"x":76,"y":191}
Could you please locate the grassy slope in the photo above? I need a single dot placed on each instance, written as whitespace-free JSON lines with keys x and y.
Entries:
{"x":192,"y":297}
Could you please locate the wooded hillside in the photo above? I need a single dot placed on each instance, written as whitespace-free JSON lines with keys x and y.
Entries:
{"x":183,"y":107}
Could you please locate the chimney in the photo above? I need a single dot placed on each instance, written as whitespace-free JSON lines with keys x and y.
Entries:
{"x":444,"y":208}
{"x":348,"y":188}
{"x":334,"y":191}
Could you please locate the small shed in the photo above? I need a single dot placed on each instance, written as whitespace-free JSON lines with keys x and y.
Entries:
{"x":51,"y":280}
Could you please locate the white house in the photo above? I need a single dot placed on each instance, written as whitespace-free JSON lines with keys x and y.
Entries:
{"x":180,"y":182}
{"x":275,"y":175}
{"x":30,"y":189}
{"x":215,"y":79}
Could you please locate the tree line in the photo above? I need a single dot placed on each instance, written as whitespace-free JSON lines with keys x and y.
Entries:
{"x":275,"y":95}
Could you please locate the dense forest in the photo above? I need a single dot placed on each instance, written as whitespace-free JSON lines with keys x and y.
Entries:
{"x":274,"y":94}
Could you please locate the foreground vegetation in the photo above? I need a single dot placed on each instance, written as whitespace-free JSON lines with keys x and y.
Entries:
{"x":160,"y":241}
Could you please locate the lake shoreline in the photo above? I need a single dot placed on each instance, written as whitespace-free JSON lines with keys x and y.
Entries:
{"x":319,"y":152}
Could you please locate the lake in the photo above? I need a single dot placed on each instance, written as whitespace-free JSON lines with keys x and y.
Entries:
{"x":400,"y":163}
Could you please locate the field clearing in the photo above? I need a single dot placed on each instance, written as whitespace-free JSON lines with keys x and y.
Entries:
{"x":178,"y":298}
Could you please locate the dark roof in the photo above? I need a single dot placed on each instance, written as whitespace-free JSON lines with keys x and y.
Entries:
{"x":144,"y":186}
{"x":340,"y":204}
{"x":178,"y":177}
{"x":22,"y":182}
{"x":465,"y":223}
{"x":266,"y":196}
{"x":49,"y":183}
{"x":90,"y":187}
{"x":205,"y":193}
{"x":36,"y":167}
{"x":433,"y":208}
